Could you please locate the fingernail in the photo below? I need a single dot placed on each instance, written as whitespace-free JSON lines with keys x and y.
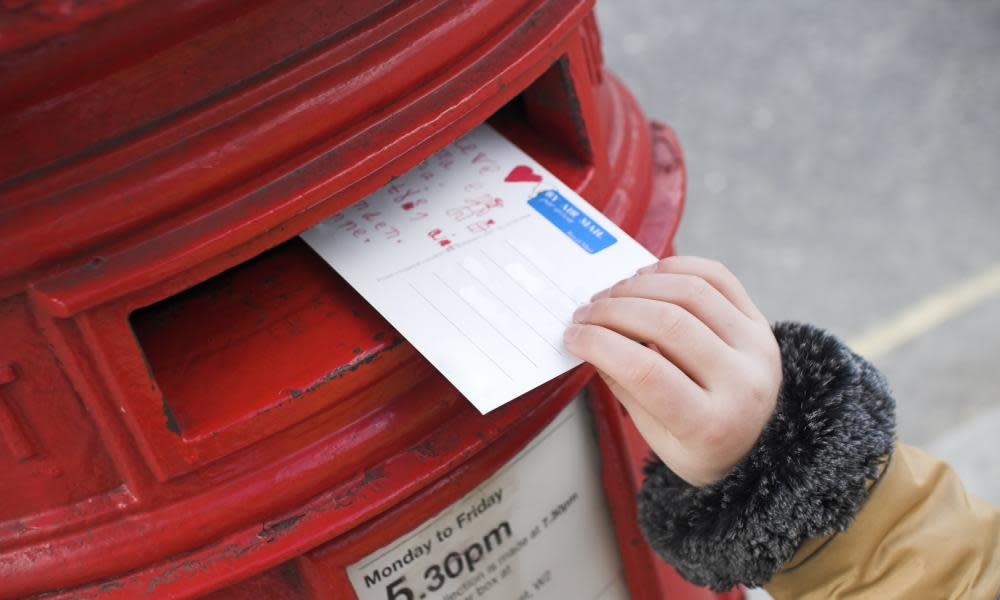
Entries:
{"x":580,"y":314}
{"x":646,"y":269}
{"x":571,"y":333}
{"x":600,"y":294}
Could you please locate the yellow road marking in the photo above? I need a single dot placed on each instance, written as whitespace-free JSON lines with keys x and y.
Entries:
{"x":928,"y":314}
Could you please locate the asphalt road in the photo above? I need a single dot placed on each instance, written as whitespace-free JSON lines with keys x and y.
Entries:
{"x":844,"y":161}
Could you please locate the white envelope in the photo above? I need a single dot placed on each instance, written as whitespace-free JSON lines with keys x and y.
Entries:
{"x":479,"y":256}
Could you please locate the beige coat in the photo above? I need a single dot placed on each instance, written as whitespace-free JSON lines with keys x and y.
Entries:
{"x":918,"y":535}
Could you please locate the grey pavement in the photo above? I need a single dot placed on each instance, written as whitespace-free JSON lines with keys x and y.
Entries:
{"x":844,"y":161}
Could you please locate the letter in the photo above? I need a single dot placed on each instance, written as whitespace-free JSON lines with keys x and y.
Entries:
{"x":372,"y":579}
{"x":473,"y":554}
{"x":496,"y":532}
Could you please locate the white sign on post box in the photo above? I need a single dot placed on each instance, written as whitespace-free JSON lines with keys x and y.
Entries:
{"x":537,"y":530}
{"x":479,"y":256}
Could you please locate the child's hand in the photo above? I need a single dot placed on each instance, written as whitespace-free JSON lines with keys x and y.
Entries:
{"x":706,"y":384}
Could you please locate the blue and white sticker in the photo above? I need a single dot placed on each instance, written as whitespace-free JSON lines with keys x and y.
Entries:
{"x":572,"y":221}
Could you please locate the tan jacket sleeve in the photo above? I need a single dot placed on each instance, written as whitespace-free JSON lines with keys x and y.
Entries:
{"x":918,"y":535}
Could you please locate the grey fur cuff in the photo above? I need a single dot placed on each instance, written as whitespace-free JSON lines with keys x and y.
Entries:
{"x":806,"y":476}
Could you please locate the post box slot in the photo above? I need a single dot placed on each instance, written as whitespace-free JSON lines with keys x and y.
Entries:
{"x":283,"y":324}
{"x":267,"y":331}
{"x":545,"y":120}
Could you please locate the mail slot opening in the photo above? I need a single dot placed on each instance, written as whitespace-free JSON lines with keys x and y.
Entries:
{"x":279,"y":327}
{"x":545,"y":120}
{"x":283,"y":328}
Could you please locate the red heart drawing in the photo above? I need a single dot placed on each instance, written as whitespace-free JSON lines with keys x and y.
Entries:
{"x":523,"y":173}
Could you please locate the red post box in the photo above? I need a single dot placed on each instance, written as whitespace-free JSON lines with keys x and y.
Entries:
{"x":192,"y":404}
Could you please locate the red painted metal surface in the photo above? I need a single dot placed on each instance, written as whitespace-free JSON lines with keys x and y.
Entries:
{"x":191,"y":403}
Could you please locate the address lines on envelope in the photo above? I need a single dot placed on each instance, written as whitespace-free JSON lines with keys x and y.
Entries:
{"x":476,"y":305}
{"x":459,"y":329}
{"x":470,"y":266}
{"x":523,"y":249}
{"x":497,"y":303}
{"x":472,"y":303}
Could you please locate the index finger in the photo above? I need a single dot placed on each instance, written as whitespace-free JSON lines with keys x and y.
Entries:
{"x":716,"y":274}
